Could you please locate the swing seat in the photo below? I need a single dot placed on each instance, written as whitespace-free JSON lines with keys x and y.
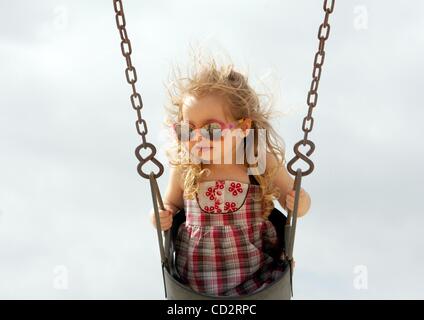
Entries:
{"x":280,"y":289}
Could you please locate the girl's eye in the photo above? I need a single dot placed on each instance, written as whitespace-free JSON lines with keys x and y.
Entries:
{"x":214,"y":126}
{"x":183,"y":131}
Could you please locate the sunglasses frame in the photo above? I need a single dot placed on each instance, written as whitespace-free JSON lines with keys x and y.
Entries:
{"x":204,"y":132}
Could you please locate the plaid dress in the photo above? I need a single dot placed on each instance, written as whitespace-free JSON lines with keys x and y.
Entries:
{"x":224,"y":246}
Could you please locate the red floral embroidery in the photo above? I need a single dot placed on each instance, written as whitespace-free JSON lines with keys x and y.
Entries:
{"x":215,"y":194}
{"x":210,"y":193}
{"x":219,"y":184}
{"x":208,"y":208}
{"x":230,"y":206}
{"x":217,"y":208}
{"x":235,"y":188}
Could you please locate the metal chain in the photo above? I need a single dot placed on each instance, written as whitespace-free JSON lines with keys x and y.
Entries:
{"x":307,"y":125}
{"x":312,"y":99}
{"x":135,"y":97}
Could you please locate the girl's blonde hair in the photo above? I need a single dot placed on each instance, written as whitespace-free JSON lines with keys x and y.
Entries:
{"x":206,"y":78}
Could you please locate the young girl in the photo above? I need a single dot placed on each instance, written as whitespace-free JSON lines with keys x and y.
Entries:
{"x":225,"y":245}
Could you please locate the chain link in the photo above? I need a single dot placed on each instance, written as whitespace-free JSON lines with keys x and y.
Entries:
{"x":136,"y":101}
{"x":312,"y":97}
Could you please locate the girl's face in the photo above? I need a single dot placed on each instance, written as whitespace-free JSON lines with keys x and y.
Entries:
{"x":209,"y":111}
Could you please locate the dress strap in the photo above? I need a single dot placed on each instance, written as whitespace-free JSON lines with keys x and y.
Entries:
{"x":253,"y":179}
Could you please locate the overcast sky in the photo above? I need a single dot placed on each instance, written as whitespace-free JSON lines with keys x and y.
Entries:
{"x":73,"y":210}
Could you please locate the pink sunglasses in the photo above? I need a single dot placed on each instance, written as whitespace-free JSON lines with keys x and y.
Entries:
{"x":213,"y":130}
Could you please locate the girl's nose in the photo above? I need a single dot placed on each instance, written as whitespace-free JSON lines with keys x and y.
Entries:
{"x":197,"y":135}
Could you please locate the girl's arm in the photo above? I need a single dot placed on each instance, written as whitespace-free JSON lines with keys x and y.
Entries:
{"x":174,"y":194}
{"x":285,"y":183}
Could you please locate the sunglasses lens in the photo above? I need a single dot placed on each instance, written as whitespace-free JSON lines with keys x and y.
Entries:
{"x":183,"y":131}
{"x":212,"y":131}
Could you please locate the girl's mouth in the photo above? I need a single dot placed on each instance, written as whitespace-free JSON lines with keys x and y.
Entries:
{"x":203,"y":148}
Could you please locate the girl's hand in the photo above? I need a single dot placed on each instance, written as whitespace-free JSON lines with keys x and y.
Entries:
{"x":304,"y":202}
{"x":165,"y":217}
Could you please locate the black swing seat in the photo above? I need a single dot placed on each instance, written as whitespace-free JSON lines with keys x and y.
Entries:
{"x":280,"y":289}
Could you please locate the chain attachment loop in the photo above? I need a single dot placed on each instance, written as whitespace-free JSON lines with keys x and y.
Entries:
{"x":136,"y":100}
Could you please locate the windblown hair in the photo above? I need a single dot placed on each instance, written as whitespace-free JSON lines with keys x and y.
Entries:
{"x":207,"y":78}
